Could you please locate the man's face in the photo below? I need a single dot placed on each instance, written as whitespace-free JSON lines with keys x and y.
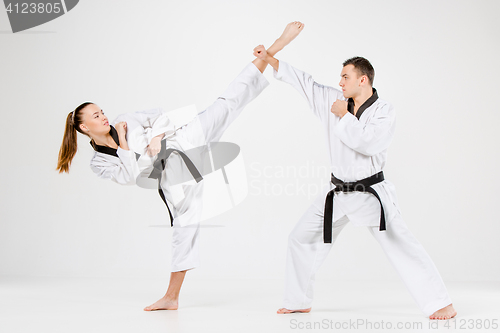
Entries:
{"x":350,"y":82}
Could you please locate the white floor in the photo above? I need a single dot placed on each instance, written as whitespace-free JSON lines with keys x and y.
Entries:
{"x":45,"y":304}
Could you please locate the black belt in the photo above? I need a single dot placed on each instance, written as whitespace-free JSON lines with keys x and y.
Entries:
{"x":363,"y":185}
{"x":159,"y":166}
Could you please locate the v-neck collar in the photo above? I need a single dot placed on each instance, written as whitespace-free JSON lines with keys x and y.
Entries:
{"x":364,"y":106}
{"x":106,"y":149}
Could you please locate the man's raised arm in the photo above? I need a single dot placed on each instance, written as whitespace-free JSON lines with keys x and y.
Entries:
{"x":316,"y":95}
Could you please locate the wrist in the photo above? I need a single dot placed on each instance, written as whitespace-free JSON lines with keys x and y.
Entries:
{"x":343,"y":113}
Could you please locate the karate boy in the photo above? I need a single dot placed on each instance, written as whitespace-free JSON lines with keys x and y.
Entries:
{"x":359,"y":128}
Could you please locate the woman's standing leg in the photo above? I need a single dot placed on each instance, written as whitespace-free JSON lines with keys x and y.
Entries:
{"x":171,"y":299}
{"x":185,"y":240}
{"x":185,"y":256}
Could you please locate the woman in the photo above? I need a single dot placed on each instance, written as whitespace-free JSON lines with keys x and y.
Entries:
{"x":126,"y":149}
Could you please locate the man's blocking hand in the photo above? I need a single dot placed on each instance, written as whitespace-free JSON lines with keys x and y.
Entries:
{"x":260,"y":52}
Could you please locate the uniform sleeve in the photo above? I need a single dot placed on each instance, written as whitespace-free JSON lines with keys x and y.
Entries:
{"x":125,"y":171}
{"x":371,"y":138}
{"x":316,"y":95}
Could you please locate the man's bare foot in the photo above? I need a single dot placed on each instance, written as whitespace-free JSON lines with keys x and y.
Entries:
{"x":445,"y":313}
{"x":163,"y":304}
{"x":292,"y":30}
{"x":284,"y":310}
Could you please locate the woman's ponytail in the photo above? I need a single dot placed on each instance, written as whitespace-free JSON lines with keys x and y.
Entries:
{"x":69,"y":142}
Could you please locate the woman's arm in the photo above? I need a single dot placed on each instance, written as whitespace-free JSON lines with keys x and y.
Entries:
{"x":128,"y":168}
{"x":154,"y":146}
{"x":121,"y":129}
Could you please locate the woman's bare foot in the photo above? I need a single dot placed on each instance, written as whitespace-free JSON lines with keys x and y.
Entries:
{"x":284,"y":310}
{"x":163,"y":304}
{"x":292,"y":30}
{"x":445,"y":313}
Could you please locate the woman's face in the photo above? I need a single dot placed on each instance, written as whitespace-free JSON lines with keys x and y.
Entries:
{"x":94,"y":122}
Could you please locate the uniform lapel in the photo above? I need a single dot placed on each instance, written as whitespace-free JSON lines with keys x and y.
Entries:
{"x":105,"y":149}
{"x":366,"y":104}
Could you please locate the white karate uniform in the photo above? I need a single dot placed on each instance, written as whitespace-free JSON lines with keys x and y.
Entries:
{"x":357,"y":149}
{"x":207,"y":126}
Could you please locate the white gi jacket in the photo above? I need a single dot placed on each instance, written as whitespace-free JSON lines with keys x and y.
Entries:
{"x":126,"y":167}
{"x":357,"y":147}
{"x":142,"y":126}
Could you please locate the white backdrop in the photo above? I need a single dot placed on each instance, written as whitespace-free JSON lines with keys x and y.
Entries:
{"x":436,"y":61}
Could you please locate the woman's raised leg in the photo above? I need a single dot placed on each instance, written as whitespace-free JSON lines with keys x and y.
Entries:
{"x":211,"y":123}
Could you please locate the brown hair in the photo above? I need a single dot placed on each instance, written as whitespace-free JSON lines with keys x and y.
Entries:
{"x":363,"y":67}
{"x":68,"y":146}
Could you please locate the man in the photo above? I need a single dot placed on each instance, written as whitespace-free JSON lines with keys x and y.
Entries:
{"x":359,"y":128}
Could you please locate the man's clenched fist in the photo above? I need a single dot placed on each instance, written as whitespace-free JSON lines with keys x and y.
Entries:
{"x":339,"y":108}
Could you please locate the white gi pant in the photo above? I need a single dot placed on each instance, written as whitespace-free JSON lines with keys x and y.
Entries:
{"x":208,"y":126}
{"x":307,"y":251}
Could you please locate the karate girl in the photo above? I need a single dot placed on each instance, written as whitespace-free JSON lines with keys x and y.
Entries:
{"x":127,"y":147}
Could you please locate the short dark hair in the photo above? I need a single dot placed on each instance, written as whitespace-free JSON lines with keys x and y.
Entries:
{"x":363,"y":67}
